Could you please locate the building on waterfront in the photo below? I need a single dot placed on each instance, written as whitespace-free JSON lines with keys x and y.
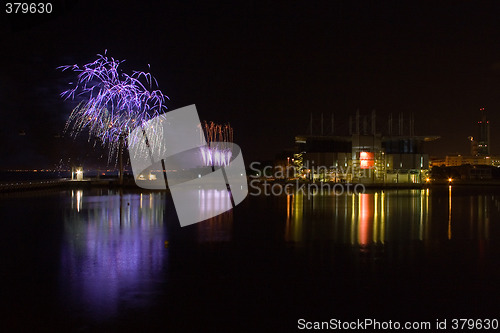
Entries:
{"x":365,"y":155}
{"x":457,"y":160}
{"x":480,"y":149}
{"x":483,"y":142}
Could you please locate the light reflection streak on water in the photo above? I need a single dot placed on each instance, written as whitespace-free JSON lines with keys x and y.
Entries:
{"x":375,"y":218}
{"x":353,"y":218}
{"x":219,"y":227}
{"x":422,"y":218}
{"x":76,"y":202}
{"x":449,"y":212}
{"x":486,"y":222}
{"x":112,"y":252}
{"x":365,"y":218}
{"x":380,"y":216}
{"x":293,"y":230}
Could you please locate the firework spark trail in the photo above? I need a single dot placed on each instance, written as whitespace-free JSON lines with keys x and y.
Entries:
{"x":216,"y":153}
{"x":112,"y":103}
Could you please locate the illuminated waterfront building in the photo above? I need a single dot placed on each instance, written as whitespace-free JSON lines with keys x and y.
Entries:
{"x":365,"y":155}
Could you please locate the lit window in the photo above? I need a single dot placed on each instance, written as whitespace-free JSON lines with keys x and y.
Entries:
{"x":366,"y":160}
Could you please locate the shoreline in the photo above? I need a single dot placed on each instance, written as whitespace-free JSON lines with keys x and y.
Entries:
{"x":129,"y":183}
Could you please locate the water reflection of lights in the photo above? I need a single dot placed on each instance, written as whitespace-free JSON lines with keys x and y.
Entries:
{"x":364,"y":219}
{"x":76,"y":201}
{"x":217,"y":228}
{"x":449,"y":212}
{"x":213,"y":202}
{"x":353,"y":219}
{"x":293,"y":231}
{"x":376,"y":218}
{"x":390,"y":215}
{"x":382,"y":217}
{"x":114,"y":248}
{"x":480,"y":216}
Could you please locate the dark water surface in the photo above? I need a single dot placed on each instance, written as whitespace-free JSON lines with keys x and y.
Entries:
{"x":96,"y":260}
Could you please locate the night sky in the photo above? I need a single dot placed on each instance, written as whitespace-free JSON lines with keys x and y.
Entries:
{"x":262,"y":67}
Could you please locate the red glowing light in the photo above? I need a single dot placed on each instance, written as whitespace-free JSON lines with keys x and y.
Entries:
{"x":365,"y":211}
{"x":366,"y":160}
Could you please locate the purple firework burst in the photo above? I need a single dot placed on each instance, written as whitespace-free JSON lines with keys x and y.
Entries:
{"x":111,"y":103}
